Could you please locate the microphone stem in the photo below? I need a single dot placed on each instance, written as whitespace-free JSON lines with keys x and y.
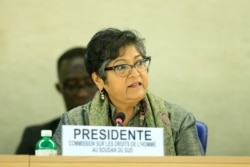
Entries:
{"x":118,"y":124}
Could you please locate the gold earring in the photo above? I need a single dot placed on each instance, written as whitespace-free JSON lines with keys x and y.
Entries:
{"x":102,"y":94}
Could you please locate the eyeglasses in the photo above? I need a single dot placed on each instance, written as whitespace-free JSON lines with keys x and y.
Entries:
{"x":123,"y":70}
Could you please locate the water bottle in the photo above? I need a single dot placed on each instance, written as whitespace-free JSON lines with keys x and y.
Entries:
{"x":46,"y":146}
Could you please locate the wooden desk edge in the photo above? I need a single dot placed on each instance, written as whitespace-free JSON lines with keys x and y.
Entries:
{"x":16,"y":158}
{"x":166,"y":159}
{"x":155,"y":160}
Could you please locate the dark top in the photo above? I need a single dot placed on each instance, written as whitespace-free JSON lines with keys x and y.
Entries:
{"x":32,"y":134}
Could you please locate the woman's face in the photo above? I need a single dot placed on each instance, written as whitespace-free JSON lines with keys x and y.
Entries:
{"x":127,"y":89}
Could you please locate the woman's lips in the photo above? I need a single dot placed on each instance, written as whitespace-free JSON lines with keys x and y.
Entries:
{"x":136,"y":84}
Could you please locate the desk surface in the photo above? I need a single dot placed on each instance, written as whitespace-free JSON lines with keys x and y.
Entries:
{"x":67,"y":161}
{"x":14,"y":160}
{"x":191,"y":161}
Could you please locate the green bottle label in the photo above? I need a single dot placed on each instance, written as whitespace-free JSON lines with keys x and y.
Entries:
{"x":46,"y":152}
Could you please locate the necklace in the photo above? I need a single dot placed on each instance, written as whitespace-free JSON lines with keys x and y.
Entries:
{"x":142,"y":111}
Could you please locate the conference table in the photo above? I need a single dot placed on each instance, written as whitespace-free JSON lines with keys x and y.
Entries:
{"x":118,"y":161}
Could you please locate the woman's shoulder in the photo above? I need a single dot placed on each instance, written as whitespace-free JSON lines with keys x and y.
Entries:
{"x":178,"y":115}
{"x":172,"y":109}
{"x":176,"y":110}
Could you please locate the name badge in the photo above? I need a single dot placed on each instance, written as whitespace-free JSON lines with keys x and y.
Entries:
{"x":112,"y":141}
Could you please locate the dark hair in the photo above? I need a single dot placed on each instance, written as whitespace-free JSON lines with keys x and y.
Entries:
{"x":104,"y":47}
{"x":70,"y":54}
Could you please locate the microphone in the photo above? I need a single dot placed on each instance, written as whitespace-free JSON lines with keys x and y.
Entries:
{"x":119,"y":118}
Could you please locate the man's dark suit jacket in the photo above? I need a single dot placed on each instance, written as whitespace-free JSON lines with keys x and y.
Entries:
{"x":32,"y":134}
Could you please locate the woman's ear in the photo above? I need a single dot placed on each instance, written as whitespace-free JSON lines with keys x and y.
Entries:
{"x":97,"y":80}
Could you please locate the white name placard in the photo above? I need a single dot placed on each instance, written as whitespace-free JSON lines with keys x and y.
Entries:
{"x":111,"y":141}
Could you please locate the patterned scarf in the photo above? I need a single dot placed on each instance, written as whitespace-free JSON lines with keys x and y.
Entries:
{"x":156,"y":115}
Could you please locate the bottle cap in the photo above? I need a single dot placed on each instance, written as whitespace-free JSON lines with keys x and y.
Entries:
{"x":46,"y":133}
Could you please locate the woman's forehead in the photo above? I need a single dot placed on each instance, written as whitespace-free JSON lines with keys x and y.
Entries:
{"x":128,"y":50}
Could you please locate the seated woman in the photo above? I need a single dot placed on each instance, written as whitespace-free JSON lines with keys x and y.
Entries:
{"x":117,"y":63}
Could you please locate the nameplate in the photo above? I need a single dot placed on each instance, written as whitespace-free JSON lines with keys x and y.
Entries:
{"x":111,"y":141}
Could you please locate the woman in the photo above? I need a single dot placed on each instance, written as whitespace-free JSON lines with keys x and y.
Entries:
{"x":117,"y":63}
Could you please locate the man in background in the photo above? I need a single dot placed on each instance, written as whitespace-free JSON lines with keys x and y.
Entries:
{"x":75,"y":86}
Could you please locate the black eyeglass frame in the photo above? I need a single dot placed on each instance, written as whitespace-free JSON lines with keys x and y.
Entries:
{"x":132,"y":66}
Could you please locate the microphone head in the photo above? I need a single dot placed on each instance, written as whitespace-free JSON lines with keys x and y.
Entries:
{"x":119,"y":118}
